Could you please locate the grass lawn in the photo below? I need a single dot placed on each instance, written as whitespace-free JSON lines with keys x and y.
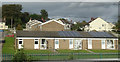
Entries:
{"x":72,"y":51}
{"x":8,"y":46}
{"x":37,"y":51}
{"x":105,"y":51}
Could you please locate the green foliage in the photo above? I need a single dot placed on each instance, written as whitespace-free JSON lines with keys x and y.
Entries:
{"x":70,"y":57}
{"x":19,"y":56}
{"x":25,"y":17}
{"x":11,"y":12}
{"x":19,"y":27}
{"x":78,"y":26}
{"x":44,"y":14}
{"x":35,"y":16}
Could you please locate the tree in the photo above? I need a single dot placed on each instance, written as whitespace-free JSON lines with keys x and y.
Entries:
{"x":44,"y":14}
{"x":20,"y":56}
{"x":35,"y":16}
{"x":19,"y":27}
{"x":78,"y":26}
{"x":25,"y":17}
{"x":11,"y":11}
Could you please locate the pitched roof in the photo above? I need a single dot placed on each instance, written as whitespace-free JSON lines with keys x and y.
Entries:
{"x":51,"y":21}
{"x":33,"y":22}
{"x":65,"y":34}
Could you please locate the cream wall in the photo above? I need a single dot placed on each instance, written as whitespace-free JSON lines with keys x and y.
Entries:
{"x":99,"y":25}
{"x":2,"y":25}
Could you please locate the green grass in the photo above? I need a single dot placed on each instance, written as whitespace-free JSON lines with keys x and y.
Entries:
{"x":67,"y":57}
{"x":105,"y":51}
{"x":8,"y":46}
{"x":72,"y":51}
{"x":37,"y":51}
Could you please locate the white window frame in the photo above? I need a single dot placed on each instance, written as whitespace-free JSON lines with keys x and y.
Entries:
{"x":56,"y":45}
{"x":102,"y":45}
{"x":70,"y":45}
{"x":19,"y":47}
{"x":35,"y":45}
{"x":89,"y":43}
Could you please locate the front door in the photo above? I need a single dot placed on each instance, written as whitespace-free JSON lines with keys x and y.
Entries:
{"x":56,"y":43}
{"x":78,"y":44}
{"x":36,"y":44}
{"x":103,"y":44}
{"x":20,"y":43}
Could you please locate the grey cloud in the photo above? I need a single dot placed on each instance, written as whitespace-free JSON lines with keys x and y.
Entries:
{"x":79,"y":10}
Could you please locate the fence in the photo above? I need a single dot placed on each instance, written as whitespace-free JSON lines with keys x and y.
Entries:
{"x":65,"y":56}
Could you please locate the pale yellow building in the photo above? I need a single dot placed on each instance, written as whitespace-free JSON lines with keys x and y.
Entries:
{"x":99,"y":25}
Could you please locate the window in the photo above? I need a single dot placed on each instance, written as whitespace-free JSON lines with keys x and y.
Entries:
{"x":110,"y":44}
{"x":102,"y":25}
{"x":43,"y":41}
{"x":43,"y":44}
{"x":71,"y":41}
{"x":56,"y":41}
{"x":36,"y":42}
{"x":20,"y":42}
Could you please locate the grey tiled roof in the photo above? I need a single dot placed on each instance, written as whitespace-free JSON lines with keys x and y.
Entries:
{"x":64,"y":34}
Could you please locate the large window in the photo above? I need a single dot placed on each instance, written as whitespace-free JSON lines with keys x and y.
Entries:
{"x":110,"y":44}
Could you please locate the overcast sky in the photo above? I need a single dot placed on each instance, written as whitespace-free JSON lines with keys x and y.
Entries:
{"x":76,"y":11}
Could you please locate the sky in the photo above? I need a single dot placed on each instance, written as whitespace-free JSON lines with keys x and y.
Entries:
{"x":60,"y":0}
{"x":76,"y":11}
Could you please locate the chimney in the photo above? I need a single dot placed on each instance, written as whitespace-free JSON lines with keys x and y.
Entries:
{"x":42,"y":19}
{"x":30,"y":20}
{"x":92,"y":18}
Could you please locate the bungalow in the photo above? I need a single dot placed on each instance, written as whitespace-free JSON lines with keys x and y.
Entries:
{"x":74,"y":40}
{"x":98,"y":24}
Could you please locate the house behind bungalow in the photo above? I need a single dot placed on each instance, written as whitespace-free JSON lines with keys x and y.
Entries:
{"x":50,"y":25}
{"x":74,"y":40}
{"x":2,"y":25}
{"x":98,"y":24}
{"x":67,"y":23}
{"x":32,"y":25}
